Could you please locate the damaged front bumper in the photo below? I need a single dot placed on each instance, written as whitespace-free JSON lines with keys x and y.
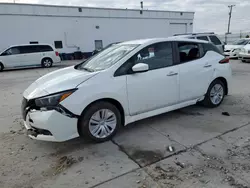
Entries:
{"x":49,"y":125}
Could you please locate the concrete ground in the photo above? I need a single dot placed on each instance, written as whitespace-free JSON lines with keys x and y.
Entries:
{"x":207,"y":149}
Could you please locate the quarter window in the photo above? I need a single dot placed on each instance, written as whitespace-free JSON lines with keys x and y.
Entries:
{"x":215,"y":40}
{"x":45,"y":48}
{"x":202,"y":38}
{"x":210,"y":47}
{"x":188,"y":51}
{"x":157,"y":56}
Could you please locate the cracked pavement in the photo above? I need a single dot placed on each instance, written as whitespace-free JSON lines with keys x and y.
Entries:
{"x":208,"y":149}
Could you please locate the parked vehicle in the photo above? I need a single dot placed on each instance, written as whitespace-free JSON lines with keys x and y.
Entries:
{"x":233,"y":49}
{"x":28,"y":55}
{"x":244,"y":54}
{"x":210,"y":37}
{"x":124,"y":83}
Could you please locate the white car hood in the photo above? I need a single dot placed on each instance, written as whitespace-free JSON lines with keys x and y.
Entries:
{"x":247,"y":47}
{"x":56,"y":81}
{"x":231,"y":47}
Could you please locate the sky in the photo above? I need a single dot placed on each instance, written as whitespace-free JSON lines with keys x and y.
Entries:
{"x":210,"y":15}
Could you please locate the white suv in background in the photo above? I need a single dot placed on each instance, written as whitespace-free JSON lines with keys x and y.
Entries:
{"x":28,"y":55}
{"x":124,"y":83}
{"x":210,"y":37}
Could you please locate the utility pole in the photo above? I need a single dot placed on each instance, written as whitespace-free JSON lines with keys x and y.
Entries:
{"x":141,"y":11}
{"x":230,"y":15}
{"x":229,"y":21}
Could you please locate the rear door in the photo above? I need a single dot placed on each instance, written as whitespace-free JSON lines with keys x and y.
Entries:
{"x":195,"y":70}
{"x":30,"y":53}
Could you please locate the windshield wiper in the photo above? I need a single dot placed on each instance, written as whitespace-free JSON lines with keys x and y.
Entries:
{"x":88,"y":69}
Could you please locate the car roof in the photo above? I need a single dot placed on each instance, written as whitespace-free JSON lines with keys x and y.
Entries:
{"x":40,"y":44}
{"x":154,"y":40}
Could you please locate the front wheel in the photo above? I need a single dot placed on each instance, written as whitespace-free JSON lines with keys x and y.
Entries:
{"x":100,"y":122}
{"x":47,"y":62}
{"x":1,"y":67}
{"x":215,"y":94}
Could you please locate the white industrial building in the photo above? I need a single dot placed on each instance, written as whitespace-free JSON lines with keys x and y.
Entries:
{"x":71,"y":29}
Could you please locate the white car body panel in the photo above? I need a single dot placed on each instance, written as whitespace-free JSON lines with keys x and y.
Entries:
{"x":56,"y":81}
{"x":244,"y":53}
{"x":141,"y":95}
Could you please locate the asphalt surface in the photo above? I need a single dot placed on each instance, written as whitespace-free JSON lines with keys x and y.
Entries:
{"x":192,"y":147}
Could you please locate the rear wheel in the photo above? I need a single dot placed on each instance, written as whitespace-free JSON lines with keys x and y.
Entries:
{"x":47,"y":62}
{"x":1,"y":67}
{"x":215,"y":94}
{"x":100,"y":122}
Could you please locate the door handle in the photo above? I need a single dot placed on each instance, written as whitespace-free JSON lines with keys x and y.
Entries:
{"x":172,"y":74}
{"x":207,"y":65}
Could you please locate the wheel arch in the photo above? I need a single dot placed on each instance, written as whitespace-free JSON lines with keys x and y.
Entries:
{"x":47,"y":58}
{"x":116,"y":103}
{"x":224,"y":81}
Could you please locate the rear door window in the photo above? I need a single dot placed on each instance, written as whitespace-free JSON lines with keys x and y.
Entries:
{"x":215,"y":40}
{"x":203,"y":38}
{"x":188,"y":51}
{"x":28,"y":49}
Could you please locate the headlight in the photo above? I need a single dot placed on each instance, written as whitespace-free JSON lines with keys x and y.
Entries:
{"x":54,"y":99}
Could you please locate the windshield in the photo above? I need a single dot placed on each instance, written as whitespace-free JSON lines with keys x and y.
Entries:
{"x":107,"y":57}
{"x":241,"y":42}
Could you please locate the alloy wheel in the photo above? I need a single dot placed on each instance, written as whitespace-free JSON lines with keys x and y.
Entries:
{"x":102,"y":123}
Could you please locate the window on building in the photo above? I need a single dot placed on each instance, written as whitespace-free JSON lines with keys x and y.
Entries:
{"x":215,"y":40}
{"x":33,"y":42}
{"x":188,"y":51}
{"x":202,"y":38}
{"x":157,"y":56}
{"x":58,"y":44}
{"x":80,"y":9}
{"x":98,"y":45}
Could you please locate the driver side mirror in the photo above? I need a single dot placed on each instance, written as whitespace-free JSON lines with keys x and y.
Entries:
{"x":140,"y":67}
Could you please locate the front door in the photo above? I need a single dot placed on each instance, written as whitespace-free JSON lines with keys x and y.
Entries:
{"x":12,"y":57}
{"x":158,"y":87}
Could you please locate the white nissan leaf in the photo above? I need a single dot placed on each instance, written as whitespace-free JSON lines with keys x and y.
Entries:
{"x":124,"y":83}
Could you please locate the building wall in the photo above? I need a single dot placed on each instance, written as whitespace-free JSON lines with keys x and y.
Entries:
{"x":46,"y":24}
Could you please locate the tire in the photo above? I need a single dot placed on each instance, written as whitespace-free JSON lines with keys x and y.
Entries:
{"x":47,"y":62}
{"x":1,"y":67}
{"x":219,"y":95}
{"x":243,"y":61}
{"x":94,"y":127}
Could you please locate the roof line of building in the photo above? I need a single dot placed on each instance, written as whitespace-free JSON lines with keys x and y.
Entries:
{"x":115,"y":17}
{"x":67,"y":6}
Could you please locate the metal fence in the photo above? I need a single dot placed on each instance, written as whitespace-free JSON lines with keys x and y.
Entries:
{"x":229,"y":38}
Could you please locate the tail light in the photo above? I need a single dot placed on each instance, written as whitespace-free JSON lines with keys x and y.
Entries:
{"x":225,"y":60}
{"x":57,"y":54}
